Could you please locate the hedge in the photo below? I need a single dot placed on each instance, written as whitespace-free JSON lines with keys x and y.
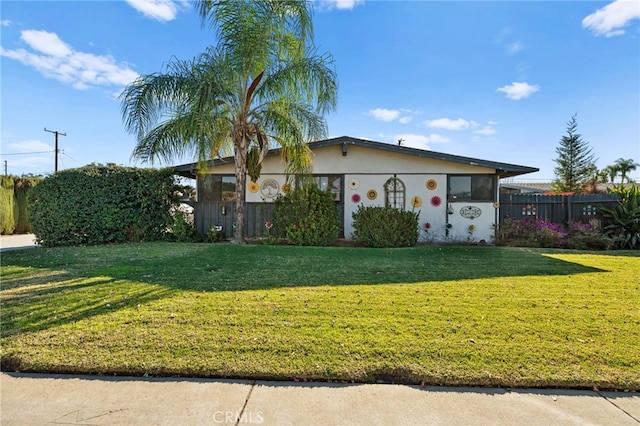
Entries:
{"x":99,"y":204}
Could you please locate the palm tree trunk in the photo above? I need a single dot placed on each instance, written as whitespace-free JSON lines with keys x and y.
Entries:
{"x":240,"y":157}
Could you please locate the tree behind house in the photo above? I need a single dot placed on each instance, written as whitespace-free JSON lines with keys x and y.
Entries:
{"x":576,"y":162}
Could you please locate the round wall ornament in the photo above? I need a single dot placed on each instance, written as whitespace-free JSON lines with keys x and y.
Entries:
{"x":416,"y":202}
{"x":354,"y":184}
{"x":286,"y":188}
{"x":269,"y":188}
{"x":470,"y":212}
{"x":432,"y":184}
{"x":254,"y":187}
{"x":372,"y":194}
{"x":436,"y":201}
{"x":356,"y":198}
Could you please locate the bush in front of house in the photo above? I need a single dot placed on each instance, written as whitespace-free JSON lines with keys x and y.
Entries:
{"x":385,"y":227}
{"x":307,"y":216}
{"x":99,"y":204}
{"x":535,"y":232}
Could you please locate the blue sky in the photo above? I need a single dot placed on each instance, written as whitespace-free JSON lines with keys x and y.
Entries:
{"x":492,"y":80}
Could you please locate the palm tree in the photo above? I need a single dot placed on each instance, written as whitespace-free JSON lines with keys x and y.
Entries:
{"x":263,"y":85}
{"x":624,"y":167}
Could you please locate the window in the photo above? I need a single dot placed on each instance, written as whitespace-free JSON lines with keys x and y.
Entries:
{"x":332,"y":183}
{"x":471,"y":188}
{"x":394,"y":193}
{"x":217,"y":188}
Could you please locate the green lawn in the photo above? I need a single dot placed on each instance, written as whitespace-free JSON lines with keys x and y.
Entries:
{"x":450,"y":315}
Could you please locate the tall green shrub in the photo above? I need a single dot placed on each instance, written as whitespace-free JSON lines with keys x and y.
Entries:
{"x":99,"y":204}
{"x":307,"y":216}
{"x":7,"y":205}
{"x":385,"y":227}
{"x":22,"y":187}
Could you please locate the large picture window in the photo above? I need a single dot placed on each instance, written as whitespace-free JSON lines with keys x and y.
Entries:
{"x":217,"y":188}
{"x":394,"y":193}
{"x":331,"y":183}
{"x":471,"y":188}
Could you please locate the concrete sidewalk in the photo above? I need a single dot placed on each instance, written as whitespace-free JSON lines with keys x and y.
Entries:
{"x":37,"y":399}
{"x":19,"y":241}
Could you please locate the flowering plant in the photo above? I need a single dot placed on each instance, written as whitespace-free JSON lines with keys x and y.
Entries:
{"x":535,"y":232}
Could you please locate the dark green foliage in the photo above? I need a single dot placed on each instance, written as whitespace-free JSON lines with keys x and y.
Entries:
{"x":99,"y":204}
{"x":385,"y":227}
{"x":576,"y":163}
{"x":7,"y":205}
{"x":21,"y":190}
{"x":625,"y":218}
{"x":307,"y":216}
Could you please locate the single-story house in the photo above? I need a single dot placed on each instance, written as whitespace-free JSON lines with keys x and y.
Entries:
{"x":456,"y":197}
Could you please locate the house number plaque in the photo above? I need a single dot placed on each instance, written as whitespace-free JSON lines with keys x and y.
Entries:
{"x":470,"y":212}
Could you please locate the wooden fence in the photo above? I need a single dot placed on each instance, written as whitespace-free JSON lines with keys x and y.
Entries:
{"x":222,"y":213}
{"x":556,"y":208}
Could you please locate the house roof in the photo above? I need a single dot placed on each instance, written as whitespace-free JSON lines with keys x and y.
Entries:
{"x":502,"y":169}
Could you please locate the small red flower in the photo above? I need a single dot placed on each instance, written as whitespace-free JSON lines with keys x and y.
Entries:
{"x":427,"y":226}
{"x":268,"y":225}
{"x":436,"y":201}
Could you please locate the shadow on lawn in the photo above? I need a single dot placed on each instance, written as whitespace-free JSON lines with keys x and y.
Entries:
{"x":226,"y":267}
{"x":30,"y":306}
{"x":109,"y":278}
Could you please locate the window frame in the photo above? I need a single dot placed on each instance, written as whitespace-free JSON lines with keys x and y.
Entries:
{"x":388,"y":192}
{"x":331,"y":178}
{"x":213,"y":194}
{"x":475,"y":191}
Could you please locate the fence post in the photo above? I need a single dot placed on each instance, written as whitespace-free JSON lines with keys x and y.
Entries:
{"x":569,"y":208}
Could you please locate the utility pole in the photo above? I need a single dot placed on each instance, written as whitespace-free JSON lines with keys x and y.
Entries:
{"x":56,"y":133}
{"x":5,"y":168}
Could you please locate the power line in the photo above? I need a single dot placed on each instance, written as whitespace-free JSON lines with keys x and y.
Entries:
{"x":27,"y":153}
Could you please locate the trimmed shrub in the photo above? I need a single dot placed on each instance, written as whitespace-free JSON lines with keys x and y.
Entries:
{"x":22,"y":187}
{"x":7,"y":205}
{"x":99,"y":204}
{"x":385,"y":227}
{"x":307,"y":216}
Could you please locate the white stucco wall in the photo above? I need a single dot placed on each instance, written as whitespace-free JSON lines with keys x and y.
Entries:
{"x":368,"y":169}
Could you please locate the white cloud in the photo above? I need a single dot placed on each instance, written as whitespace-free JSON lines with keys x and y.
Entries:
{"x":5,"y":22}
{"x":515,"y":47}
{"x":161,"y":10}
{"x":384,"y":114}
{"x":412,"y":140}
{"x":448,"y":124}
{"x":517,"y":90}
{"x":54,"y":58}
{"x":405,"y":120}
{"x":26,"y":147}
{"x":46,"y":42}
{"x":610,"y":20}
{"x":486,"y":130}
{"x":339,"y":4}
{"x":435,"y":138}
{"x":37,"y":155}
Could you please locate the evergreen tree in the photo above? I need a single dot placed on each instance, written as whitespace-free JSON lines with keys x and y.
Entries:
{"x":576,"y":161}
